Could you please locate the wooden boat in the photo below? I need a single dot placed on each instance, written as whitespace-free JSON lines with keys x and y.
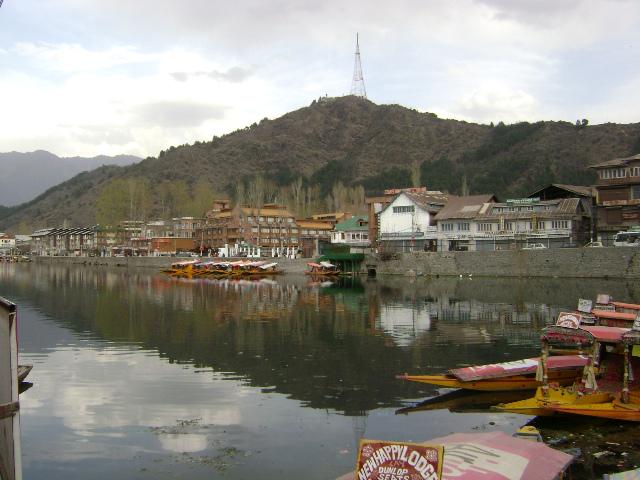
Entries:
{"x":184,"y":267}
{"x":464,"y":401}
{"x":625,"y":404}
{"x":600,"y":379}
{"x":516,"y":375}
{"x":323,"y":269}
{"x":23,"y":372}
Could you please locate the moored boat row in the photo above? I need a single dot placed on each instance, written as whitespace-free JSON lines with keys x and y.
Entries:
{"x":198,"y":268}
{"x":601,"y":380}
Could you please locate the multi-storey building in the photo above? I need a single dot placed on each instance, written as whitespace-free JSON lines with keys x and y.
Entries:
{"x":64,"y":241}
{"x":479,"y":223}
{"x":314,"y":234}
{"x":617,"y":196}
{"x":271,"y":227}
{"x":407,"y":223}
{"x":376,"y":204}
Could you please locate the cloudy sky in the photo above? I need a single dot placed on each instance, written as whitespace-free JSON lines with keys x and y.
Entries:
{"x":90,"y":77}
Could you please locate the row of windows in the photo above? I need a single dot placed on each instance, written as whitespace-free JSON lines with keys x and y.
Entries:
{"x":522,"y":208}
{"x":352,"y":236}
{"x":271,"y":219}
{"x":404,"y":209}
{"x":619,"y":172}
{"x":508,"y":226}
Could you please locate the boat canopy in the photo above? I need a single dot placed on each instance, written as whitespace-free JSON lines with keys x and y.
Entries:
{"x":185,"y":263}
{"x":314,"y":265}
{"x":327,"y":265}
{"x":584,"y":335}
{"x":630,"y":306}
{"x":613,"y":315}
{"x":268,"y":265}
{"x":518,"y":367}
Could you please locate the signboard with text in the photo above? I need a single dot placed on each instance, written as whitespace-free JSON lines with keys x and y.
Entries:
{"x":381,"y":460}
{"x":585,"y":305}
{"x":569,"y":320}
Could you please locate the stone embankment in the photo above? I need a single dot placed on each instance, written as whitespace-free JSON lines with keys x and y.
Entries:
{"x":563,"y":262}
{"x":621,"y":262}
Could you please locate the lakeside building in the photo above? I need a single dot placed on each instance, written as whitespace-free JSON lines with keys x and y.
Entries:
{"x":353,"y":233}
{"x":407,"y":223}
{"x":270,"y":227}
{"x":315,"y":234}
{"x":64,"y":241}
{"x":468,"y":223}
{"x":376,"y":204}
{"x":7,"y":244}
{"x":617,"y":196}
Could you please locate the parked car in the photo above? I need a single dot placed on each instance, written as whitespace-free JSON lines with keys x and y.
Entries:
{"x":569,"y":245}
{"x":534,"y":246}
{"x":594,"y":245}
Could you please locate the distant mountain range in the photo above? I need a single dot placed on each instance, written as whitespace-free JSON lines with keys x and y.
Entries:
{"x":357,"y":142}
{"x":24,"y":176}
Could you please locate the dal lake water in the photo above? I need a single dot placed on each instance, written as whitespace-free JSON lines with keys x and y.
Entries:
{"x":139,"y":375}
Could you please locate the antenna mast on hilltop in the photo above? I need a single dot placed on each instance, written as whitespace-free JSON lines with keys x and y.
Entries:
{"x":357,"y":85}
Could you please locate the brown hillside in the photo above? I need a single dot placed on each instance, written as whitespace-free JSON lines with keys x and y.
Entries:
{"x":375,"y":144}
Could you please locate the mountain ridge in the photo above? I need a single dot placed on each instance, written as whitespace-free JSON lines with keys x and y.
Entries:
{"x":25,"y":175}
{"x":357,"y":142}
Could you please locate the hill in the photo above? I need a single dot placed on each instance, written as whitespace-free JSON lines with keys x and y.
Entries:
{"x":27,"y":175}
{"x":356,"y":142}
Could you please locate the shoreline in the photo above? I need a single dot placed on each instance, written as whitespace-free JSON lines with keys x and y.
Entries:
{"x":623,"y":263}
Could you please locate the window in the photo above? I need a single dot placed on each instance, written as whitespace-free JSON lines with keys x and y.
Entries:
{"x":365,"y":236}
{"x":560,"y":224}
{"x":485,"y":227}
{"x":270,"y":219}
{"x":635,"y":192}
{"x":510,"y":226}
{"x":447,"y":227}
{"x":404,"y":209}
{"x":341,"y":235}
{"x":463,"y":226}
{"x":635,"y":171}
{"x":542,"y":225}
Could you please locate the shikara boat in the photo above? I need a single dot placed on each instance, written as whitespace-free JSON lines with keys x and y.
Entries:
{"x":184,"y":267}
{"x":515,"y":375}
{"x":625,"y":403}
{"x":323,"y":269}
{"x":601,"y":377}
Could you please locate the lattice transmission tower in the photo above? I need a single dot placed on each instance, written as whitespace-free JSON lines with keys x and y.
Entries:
{"x":357,"y":85}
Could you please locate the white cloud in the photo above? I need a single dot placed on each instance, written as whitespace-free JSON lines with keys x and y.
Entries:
{"x":191,"y":71}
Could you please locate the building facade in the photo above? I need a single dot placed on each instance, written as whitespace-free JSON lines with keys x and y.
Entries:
{"x":408,"y":224}
{"x":353,"y":232}
{"x":617,"y":196}
{"x":468,"y":223}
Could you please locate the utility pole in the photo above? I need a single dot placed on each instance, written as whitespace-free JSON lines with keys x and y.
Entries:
{"x":357,"y":85}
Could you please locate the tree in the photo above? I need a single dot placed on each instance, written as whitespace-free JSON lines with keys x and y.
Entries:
{"x":415,"y":174}
{"x":203,"y":197}
{"x":123,"y":199}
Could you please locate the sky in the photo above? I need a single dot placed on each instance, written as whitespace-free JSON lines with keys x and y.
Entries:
{"x":96,"y":77}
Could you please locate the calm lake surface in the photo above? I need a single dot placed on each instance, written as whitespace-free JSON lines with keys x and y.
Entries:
{"x":138,"y":375}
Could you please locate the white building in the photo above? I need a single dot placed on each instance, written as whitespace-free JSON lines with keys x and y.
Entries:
{"x":479,"y":223}
{"x":7,"y":243}
{"x":408,"y":222}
